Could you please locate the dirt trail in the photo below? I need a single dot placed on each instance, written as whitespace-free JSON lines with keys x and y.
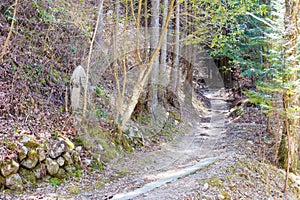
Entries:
{"x":183,"y":156}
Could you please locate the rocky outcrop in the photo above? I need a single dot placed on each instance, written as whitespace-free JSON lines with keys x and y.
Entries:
{"x":36,"y":160}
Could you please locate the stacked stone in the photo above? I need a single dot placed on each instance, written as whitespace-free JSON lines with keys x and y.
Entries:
{"x":37,"y":161}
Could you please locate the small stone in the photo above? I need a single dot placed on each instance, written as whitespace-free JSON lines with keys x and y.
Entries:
{"x":40,"y":171}
{"x":60,"y":161}
{"x":205,"y":187}
{"x":87,"y":162}
{"x":23,"y":153}
{"x":9,"y":167}
{"x":31,"y":160}
{"x":69,"y":143}
{"x":61,"y":173}
{"x":76,"y":158}
{"x":42,"y":154}
{"x":220,"y":197}
{"x":52,"y":166}
{"x":78,"y":149}
{"x":58,"y":148}
{"x":29,"y":141}
{"x":68,"y":158}
{"x":70,"y":168}
{"x":14,"y":182}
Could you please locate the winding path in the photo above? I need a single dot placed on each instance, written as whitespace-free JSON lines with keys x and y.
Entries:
{"x":184,"y":156}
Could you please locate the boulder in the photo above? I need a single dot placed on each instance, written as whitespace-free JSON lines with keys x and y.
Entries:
{"x":29,"y":141}
{"x":42,"y":154}
{"x":14,"y":182}
{"x":23,"y":153}
{"x":40,"y":171}
{"x":9,"y":167}
{"x":76,"y":157}
{"x":61,"y":173}
{"x":68,"y":158}
{"x":69,"y":143}
{"x":52,"y":166}
{"x":58,"y":148}
{"x":31,"y":160}
{"x":70,"y":168}
{"x":60,"y":161}
{"x":27,"y":176}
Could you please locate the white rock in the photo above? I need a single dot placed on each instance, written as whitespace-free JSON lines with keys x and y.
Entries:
{"x":221,"y":197}
{"x":205,"y":187}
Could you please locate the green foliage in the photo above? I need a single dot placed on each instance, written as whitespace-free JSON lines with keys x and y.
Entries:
{"x":55,"y":181}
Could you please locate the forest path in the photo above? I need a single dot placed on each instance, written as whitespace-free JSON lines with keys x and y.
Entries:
{"x":158,"y":174}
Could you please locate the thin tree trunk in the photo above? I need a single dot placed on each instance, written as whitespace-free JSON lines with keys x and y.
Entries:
{"x":155,"y":4}
{"x":10,"y":32}
{"x":85,"y":98}
{"x":174,"y":79}
{"x":163,"y":54}
{"x":119,"y":102}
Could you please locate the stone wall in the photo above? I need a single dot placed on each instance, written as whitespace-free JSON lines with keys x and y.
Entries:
{"x":36,"y":160}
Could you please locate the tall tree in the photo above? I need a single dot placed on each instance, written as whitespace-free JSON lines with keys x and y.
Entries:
{"x":163,"y":53}
{"x":173,"y":86}
{"x":290,"y":139}
{"x":155,"y":4}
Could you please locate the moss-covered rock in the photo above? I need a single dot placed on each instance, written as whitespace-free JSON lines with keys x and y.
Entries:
{"x":30,"y":142}
{"x":61,"y":173}
{"x":14,"y":182}
{"x":68,"y":158}
{"x":41,"y":154}
{"x":58,"y":148}
{"x":9,"y":167}
{"x":40,"y":171}
{"x":23,"y":153}
{"x":52,"y":166}
{"x":31,"y":160}
{"x":60,"y":161}
{"x":28,"y":176}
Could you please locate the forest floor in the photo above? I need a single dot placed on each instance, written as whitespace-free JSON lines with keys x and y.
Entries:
{"x":216,"y":158}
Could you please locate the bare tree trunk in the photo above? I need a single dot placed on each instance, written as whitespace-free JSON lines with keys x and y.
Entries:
{"x":85,"y":98}
{"x":10,"y":32}
{"x":174,"y":79}
{"x":155,"y":4}
{"x":118,"y":102}
{"x":163,"y":54}
{"x":188,"y":83}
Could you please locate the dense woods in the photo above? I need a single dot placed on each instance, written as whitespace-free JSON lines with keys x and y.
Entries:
{"x":144,"y":65}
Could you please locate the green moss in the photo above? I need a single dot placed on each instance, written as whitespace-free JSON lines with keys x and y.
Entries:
{"x":55,"y":181}
{"x":28,"y":177}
